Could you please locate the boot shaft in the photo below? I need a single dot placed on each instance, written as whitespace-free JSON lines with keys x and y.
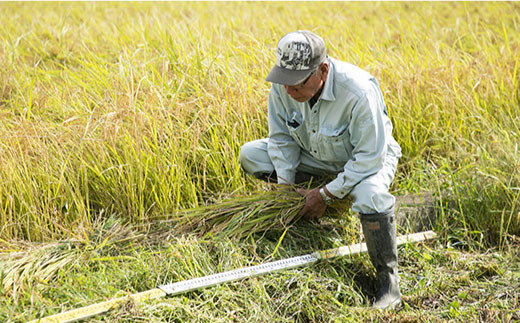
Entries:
{"x":380,"y":236}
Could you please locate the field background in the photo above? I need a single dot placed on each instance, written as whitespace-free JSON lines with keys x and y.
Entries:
{"x":112,"y":114}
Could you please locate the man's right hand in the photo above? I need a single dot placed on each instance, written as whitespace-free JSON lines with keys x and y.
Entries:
{"x":314,"y":205}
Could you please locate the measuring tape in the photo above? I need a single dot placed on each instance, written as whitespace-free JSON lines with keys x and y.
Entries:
{"x":224,"y":277}
{"x":229,"y":276}
{"x":91,"y":310}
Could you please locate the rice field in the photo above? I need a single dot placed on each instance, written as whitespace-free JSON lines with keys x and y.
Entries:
{"x":121,"y":125}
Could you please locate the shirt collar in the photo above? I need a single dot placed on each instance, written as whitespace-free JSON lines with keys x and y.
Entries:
{"x":328,"y":93}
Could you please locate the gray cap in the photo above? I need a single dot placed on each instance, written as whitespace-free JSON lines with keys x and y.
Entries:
{"x":298,"y":55}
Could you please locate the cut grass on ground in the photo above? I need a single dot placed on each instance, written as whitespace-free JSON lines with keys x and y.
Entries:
{"x":439,"y":283}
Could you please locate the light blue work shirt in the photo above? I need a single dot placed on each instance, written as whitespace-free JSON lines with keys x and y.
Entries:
{"x":348,"y":127}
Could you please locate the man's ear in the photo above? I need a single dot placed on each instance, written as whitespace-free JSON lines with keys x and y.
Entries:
{"x":324,"y":70}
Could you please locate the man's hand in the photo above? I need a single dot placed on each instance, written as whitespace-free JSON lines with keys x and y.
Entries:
{"x":314,"y":204}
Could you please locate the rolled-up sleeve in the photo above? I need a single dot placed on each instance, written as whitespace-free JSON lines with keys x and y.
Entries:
{"x":282,"y":149}
{"x":369,"y":142}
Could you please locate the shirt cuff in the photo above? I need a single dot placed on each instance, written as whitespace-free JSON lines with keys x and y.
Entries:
{"x":337,"y":190}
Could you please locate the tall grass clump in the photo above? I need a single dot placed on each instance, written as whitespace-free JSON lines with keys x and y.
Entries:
{"x":138,"y":110}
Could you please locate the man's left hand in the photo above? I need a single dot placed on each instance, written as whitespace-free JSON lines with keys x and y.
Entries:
{"x":314,"y":204}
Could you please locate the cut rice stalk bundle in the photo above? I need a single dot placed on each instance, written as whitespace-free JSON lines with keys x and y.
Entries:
{"x":244,"y":216}
{"x":36,"y":263}
{"x":24,"y":263}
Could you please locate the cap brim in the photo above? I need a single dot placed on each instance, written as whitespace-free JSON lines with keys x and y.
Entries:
{"x":287,"y":77}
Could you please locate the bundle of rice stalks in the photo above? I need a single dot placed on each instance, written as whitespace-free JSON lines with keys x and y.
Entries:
{"x":23,"y":263}
{"x":35,"y":263}
{"x":243,"y":216}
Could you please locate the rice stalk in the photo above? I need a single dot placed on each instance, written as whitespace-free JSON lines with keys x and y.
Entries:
{"x":24,"y":263}
{"x":36,"y":263}
{"x":241,"y":217}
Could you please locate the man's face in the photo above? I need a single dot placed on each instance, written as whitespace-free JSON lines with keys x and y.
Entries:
{"x":310,"y":87}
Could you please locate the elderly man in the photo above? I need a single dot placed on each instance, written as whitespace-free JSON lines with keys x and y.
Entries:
{"x":328,"y":117}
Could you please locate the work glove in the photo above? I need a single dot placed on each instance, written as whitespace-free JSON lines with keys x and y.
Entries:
{"x":314,"y":205}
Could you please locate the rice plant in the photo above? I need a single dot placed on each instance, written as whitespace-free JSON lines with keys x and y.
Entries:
{"x":134,"y":113}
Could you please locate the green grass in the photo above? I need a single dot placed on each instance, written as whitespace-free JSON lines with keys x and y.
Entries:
{"x":440,"y":282}
{"x":134,"y":111}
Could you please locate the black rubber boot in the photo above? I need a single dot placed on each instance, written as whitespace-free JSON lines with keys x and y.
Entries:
{"x":379,"y":230}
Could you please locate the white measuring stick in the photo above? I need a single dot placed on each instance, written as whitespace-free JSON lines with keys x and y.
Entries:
{"x":224,"y":277}
{"x":270,"y":267}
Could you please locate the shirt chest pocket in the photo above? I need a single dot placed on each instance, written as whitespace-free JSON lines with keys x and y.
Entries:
{"x":334,"y":144}
{"x":297,"y":129}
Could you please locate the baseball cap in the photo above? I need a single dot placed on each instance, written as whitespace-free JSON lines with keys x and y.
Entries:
{"x":298,"y":54}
